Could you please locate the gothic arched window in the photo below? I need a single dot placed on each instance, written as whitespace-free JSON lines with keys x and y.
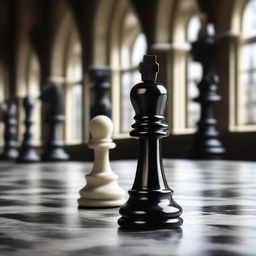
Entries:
{"x":67,"y":70}
{"x":74,"y":90}
{"x":128,"y":46}
{"x":131,"y":56}
{"x":247,"y":88}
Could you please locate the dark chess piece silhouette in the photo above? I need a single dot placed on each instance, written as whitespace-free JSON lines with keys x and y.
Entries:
{"x":101,"y":87}
{"x":10,"y":151}
{"x":207,"y":144}
{"x":54,"y":149}
{"x":27,"y":153}
{"x":150,"y":204}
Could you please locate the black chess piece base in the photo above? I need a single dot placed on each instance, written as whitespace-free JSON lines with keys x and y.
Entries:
{"x":207,"y":148}
{"x":55,"y":154}
{"x":10,"y":154}
{"x":29,"y":156}
{"x":147,"y":210}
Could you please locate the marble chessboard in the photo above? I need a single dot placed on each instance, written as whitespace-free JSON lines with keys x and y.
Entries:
{"x":39,"y":214}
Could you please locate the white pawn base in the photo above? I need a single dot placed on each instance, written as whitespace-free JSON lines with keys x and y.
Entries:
{"x":90,"y":203}
{"x":101,"y":191}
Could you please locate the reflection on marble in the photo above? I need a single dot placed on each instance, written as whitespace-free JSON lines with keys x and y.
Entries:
{"x":39,"y":215}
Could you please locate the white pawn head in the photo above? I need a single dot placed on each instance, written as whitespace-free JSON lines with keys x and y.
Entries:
{"x":101,"y":127}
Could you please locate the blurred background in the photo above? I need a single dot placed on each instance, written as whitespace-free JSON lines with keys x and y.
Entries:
{"x":60,"y":41}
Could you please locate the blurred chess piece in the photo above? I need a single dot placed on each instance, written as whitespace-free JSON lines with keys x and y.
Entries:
{"x":207,"y":143}
{"x":52,"y":94}
{"x":101,"y":87}
{"x":27,"y":153}
{"x":10,"y":151}
{"x":102,"y":189}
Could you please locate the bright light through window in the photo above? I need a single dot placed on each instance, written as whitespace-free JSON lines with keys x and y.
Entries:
{"x":193,"y":28}
{"x":139,"y":48}
{"x":75,"y":90}
{"x":77,"y":93}
{"x":247,"y":95}
{"x":249,"y":20}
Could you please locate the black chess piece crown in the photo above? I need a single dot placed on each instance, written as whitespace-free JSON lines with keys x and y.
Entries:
{"x":150,"y":205}
{"x":27,"y":152}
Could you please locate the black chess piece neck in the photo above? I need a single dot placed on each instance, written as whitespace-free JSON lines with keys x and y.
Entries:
{"x":150,"y":205}
{"x":10,"y":151}
{"x":54,"y":149}
{"x":207,"y":144}
{"x":27,"y":152}
{"x":101,"y":86}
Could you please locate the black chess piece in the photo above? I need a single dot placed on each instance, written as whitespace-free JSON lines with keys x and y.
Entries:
{"x":101,"y":86}
{"x":53,"y":149}
{"x":207,"y":144}
{"x":27,"y":153}
{"x":10,"y":151}
{"x":150,"y":205}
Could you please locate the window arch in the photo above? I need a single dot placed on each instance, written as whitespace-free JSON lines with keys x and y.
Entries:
{"x":127,"y":50}
{"x":74,"y":89}
{"x":131,"y":56}
{"x":247,"y":71}
{"x":187,"y":73}
{"x":67,"y":69}
{"x":185,"y":25}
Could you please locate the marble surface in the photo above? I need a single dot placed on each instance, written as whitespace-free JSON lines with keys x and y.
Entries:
{"x":39,"y":214}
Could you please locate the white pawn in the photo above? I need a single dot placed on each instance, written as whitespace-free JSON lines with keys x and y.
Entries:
{"x":102,"y":189}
